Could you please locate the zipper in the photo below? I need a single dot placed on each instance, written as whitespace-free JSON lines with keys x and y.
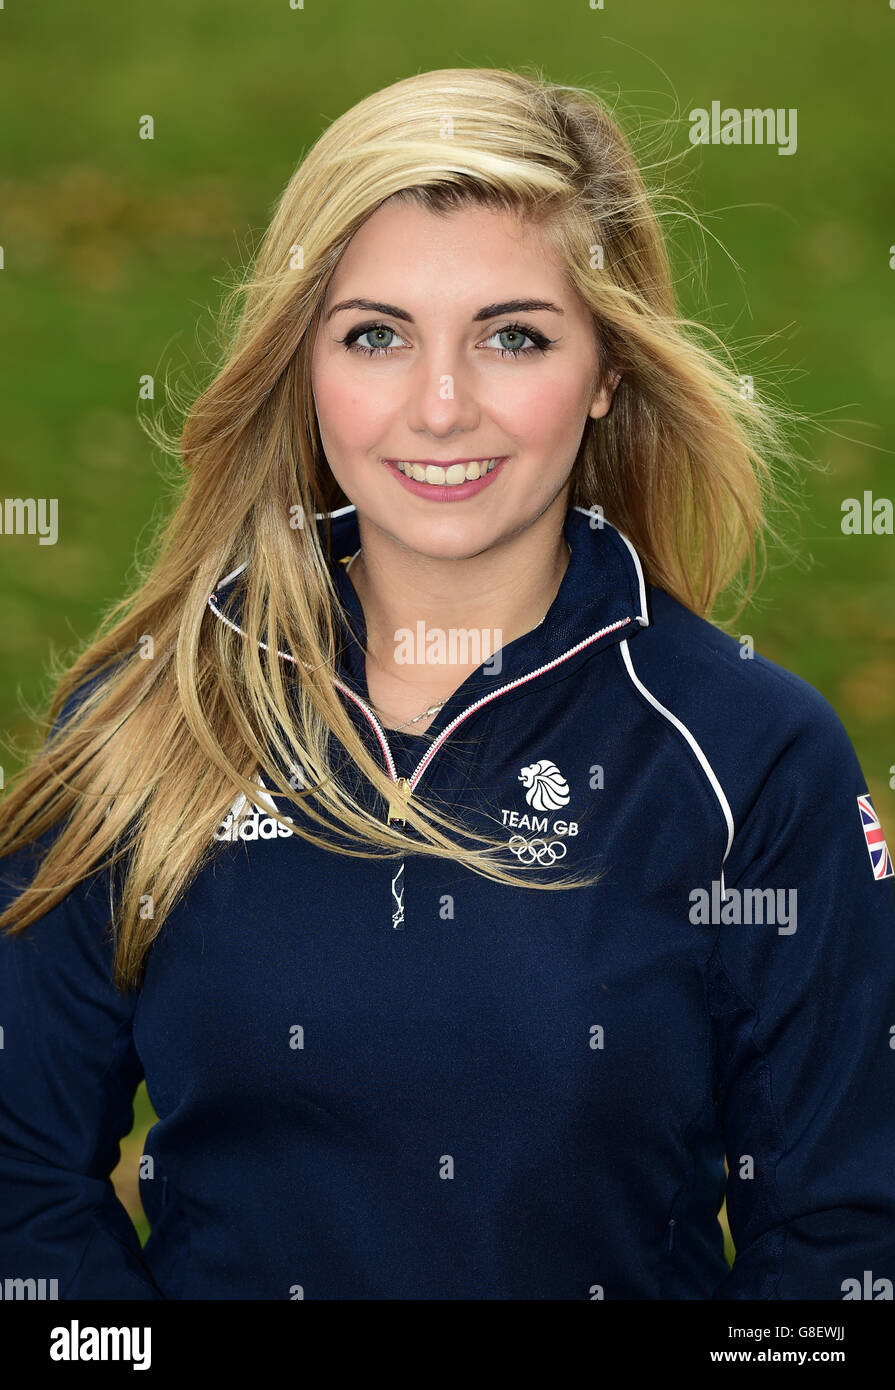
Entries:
{"x":404,"y":787}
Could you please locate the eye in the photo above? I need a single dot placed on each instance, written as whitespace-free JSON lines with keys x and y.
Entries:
{"x":538,"y":341}
{"x":352,"y":339}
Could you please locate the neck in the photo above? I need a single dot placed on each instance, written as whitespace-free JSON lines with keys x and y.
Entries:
{"x":500,"y":594}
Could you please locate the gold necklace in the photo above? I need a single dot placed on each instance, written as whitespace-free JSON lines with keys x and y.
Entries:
{"x":433,"y":709}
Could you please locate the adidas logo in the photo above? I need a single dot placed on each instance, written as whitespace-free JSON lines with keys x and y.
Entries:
{"x":244,"y":822}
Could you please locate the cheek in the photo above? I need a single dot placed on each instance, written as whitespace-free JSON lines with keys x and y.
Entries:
{"x":544,"y":414}
{"x":350,"y":408}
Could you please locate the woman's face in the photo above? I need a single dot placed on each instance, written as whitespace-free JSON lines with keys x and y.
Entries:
{"x":442,"y":364}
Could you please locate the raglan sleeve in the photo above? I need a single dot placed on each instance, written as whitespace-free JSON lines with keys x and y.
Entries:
{"x":68,"y":1073}
{"x":802,"y":999}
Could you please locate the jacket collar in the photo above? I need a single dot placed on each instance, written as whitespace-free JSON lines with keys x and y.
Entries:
{"x":601,"y":600}
{"x":603,"y":585}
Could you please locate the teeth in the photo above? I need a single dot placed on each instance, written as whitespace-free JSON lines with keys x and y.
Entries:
{"x":457,"y":472}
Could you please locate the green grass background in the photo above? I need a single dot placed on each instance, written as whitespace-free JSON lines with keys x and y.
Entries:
{"x":116,"y":250}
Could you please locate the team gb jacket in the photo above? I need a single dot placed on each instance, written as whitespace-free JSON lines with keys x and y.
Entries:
{"x":387,"y":1079}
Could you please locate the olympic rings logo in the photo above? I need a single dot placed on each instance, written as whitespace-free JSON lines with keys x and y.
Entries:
{"x":537,"y":851}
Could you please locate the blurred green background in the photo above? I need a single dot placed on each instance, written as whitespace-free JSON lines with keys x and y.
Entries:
{"x":116,"y":250}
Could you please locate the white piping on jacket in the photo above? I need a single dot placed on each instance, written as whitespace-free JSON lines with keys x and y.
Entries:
{"x":703,"y":760}
{"x":642,"y":617}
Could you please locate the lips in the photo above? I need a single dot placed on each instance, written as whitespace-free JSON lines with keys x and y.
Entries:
{"x":449,"y":482}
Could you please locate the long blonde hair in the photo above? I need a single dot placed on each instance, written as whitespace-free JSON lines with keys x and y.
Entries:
{"x":186,"y":710}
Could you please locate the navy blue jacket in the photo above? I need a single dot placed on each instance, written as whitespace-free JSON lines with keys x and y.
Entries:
{"x":378,"y":1080}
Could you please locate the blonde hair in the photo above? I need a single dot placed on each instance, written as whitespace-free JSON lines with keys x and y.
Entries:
{"x":146,"y":769}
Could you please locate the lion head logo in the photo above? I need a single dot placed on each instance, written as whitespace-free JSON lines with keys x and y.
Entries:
{"x":545,"y":787}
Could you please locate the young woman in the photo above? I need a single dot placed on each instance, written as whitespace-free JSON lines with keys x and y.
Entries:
{"x":457,"y":505}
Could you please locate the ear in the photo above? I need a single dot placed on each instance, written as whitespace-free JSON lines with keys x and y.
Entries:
{"x":601,"y":402}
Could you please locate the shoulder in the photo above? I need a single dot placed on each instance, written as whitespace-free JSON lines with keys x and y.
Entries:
{"x":93,"y":681}
{"x":697,"y":663}
{"x":747,"y":714}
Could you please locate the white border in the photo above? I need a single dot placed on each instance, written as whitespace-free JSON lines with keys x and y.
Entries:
{"x":703,"y":760}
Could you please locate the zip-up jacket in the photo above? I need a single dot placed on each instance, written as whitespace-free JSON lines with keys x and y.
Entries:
{"x":379,"y":1078}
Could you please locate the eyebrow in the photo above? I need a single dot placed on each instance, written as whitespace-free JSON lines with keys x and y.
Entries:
{"x":490,"y":311}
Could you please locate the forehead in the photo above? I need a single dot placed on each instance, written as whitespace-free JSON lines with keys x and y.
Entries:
{"x":407,"y":249}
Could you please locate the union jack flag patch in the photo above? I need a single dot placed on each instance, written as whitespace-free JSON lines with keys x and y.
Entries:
{"x":880,"y":858}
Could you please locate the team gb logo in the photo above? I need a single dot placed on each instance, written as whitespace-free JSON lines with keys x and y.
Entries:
{"x":545,"y":787}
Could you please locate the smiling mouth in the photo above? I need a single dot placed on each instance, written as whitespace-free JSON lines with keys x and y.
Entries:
{"x":452,"y":476}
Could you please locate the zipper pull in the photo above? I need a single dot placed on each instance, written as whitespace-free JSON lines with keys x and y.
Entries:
{"x":398,"y":895}
{"x":400,"y":800}
{"x":396,"y":806}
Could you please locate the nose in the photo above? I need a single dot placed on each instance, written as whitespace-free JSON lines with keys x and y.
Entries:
{"x":441,"y":396}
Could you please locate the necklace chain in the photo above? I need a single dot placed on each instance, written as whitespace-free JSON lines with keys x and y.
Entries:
{"x":433,"y":709}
